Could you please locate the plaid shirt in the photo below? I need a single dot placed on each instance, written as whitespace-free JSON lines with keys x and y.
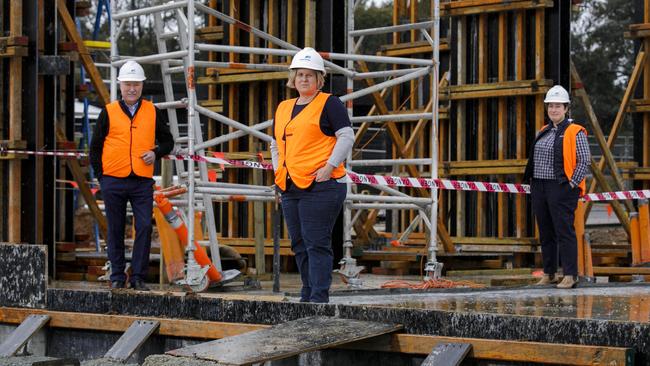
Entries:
{"x":544,"y":157}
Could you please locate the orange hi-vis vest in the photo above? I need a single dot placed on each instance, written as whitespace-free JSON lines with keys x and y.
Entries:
{"x":570,"y":153}
{"x":128,"y":139}
{"x":303,"y":148}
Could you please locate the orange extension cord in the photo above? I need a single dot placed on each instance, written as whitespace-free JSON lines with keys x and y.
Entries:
{"x":439,"y":283}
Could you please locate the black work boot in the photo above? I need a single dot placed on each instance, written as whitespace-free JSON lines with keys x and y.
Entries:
{"x":139,"y":285}
{"x":118,"y":284}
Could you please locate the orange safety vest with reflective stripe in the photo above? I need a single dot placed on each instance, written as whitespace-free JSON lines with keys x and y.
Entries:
{"x":570,"y":152}
{"x":128,"y":139}
{"x":303,"y":148}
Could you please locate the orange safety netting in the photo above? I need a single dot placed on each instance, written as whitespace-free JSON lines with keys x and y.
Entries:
{"x":439,"y":283}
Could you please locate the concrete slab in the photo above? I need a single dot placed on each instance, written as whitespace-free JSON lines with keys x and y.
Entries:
{"x":23,"y":275}
{"x":587,"y":315}
{"x":616,"y":302}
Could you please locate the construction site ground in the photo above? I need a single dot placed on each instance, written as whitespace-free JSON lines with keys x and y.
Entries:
{"x":608,"y":301}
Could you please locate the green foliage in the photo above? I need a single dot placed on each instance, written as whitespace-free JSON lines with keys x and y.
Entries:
{"x":370,"y":15}
{"x":603,"y":58}
{"x":137,"y":38}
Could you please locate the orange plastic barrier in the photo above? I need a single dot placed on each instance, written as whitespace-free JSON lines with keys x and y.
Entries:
{"x":179,"y":227}
{"x":171,"y":247}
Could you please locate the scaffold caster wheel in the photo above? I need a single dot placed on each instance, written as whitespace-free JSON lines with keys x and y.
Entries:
{"x":201,"y":286}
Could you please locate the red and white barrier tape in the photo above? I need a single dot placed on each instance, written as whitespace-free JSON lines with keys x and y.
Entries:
{"x":67,"y":154}
{"x":615,"y":196}
{"x":218,"y":159}
{"x":392,"y":181}
{"x":455,"y":185}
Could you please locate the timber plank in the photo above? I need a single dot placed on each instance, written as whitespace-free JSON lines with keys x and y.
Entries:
{"x":86,"y":59}
{"x":469,"y":7}
{"x":80,"y":178}
{"x":413,"y":48}
{"x":503,"y":350}
{"x":491,"y":90}
{"x":499,"y":248}
{"x":242,"y":77}
{"x":285,"y":340}
{"x":120,"y":323}
{"x":447,"y":354}
{"x":494,"y":241}
{"x":621,"y":270}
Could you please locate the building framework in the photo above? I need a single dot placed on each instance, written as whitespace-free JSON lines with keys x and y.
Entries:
{"x":486,"y":89}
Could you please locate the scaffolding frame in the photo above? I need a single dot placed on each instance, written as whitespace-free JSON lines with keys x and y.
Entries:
{"x":185,"y":61}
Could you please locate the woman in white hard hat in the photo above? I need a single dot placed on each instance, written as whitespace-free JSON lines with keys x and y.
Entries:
{"x":557,"y":166}
{"x":312,"y":138}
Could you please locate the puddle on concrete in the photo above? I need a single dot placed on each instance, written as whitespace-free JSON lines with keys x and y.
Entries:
{"x":608,"y":303}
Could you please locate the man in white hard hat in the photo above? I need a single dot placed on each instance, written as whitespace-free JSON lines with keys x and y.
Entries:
{"x":122,"y":153}
{"x":557,"y":165}
{"x":312,"y":137}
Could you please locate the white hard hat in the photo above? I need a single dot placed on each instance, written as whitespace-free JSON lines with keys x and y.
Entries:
{"x":557,"y":94}
{"x":308,"y":58}
{"x":131,"y":71}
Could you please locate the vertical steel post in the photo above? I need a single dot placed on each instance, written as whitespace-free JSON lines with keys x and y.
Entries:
{"x":191,"y":99}
{"x":114,"y":54}
{"x":433,"y":269}
{"x":347,"y":213}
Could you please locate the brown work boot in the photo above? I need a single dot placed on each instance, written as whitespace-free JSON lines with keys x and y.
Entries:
{"x":547,"y":279}
{"x":568,"y":282}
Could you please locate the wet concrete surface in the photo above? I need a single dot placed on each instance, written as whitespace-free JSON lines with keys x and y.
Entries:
{"x":614,"y":301}
{"x":623,"y":302}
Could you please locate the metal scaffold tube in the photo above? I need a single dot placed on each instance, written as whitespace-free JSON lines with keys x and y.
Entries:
{"x":114,"y":54}
{"x":233,"y":135}
{"x":150,"y":10}
{"x":232,"y":123}
{"x":391,"y":199}
{"x":392,"y":28}
{"x":191,"y":266}
{"x":390,"y":162}
{"x":265,"y":36}
{"x":151,"y":58}
{"x":433,"y":268}
{"x":327,"y":55}
{"x":393,"y":117}
{"x":349,"y":270}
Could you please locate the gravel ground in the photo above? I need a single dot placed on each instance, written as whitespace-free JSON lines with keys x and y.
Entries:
{"x":106,"y":362}
{"x":30,"y":360}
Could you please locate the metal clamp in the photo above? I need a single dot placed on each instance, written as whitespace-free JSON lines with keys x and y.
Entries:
{"x":433,"y":270}
{"x":349,"y":271}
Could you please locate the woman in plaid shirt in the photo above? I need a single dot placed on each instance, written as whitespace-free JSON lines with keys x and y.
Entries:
{"x":556,"y":169}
